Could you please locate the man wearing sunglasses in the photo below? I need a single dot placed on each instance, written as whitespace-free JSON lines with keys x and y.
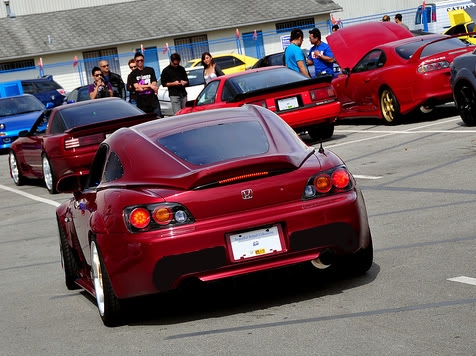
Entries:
{"x":145,"y":83}
{"x":117,"y":84}
{"x":99,"y":89}
{"x":174,"y":77}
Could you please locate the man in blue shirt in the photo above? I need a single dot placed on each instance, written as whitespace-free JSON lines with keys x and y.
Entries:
{"x":293,"y":56}
{"x":320,"y":54}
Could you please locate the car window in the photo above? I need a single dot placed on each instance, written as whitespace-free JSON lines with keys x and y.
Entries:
{"x":195,"y":77}
{"x":456,"y":30}
{"x":57,"y":124}
{"x":97,"y":167}
{"x":96,"y":111}
{"x":216,"y":143}
{"x":83,"y":94}
{"x":227,"y":92}
{"x":45,"y":86}
{"x":28,"y":88}
{"x":208,"y":94}
{"x":406,"y":51}
{"x":114,"y":169}
{"x":20,"y":105}
{"x":372,"y":60}
{"x":73,"y":96}
{"x":226,"y":62}
{"x":276,"y":59}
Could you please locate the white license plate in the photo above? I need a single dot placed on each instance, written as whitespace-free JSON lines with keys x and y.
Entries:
{"x":255,"y":243}
{"x":288,"y":103}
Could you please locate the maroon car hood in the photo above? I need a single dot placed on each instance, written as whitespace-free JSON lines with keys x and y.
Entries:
{"x":351,"y":43}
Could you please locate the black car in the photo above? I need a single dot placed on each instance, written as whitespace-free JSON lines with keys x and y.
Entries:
{"x":463,"y":85}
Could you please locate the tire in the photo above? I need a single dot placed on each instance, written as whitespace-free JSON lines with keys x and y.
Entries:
{"x":466,"y":99}
{"x":49,"y":175}
{"x":15,"y":169}
{"x":359,"y":262}
{"x":68,"y":263}
{"x":389,"y":106}
{"x":109,"y":305}
{"x":321,"y":132}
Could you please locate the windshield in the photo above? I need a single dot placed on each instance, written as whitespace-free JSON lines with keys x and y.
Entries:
{"x":96,"y":111}
{"x":264,"y":79}
{"x":217,"y":143}
{"x":406,"y":51}
{"x":20,"y":105}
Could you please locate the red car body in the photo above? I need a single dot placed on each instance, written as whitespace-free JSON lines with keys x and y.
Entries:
{"x":68,"y":142}
{"x":207,"y":195}
{"x":389,"y":72}
{"x":305,"y":104}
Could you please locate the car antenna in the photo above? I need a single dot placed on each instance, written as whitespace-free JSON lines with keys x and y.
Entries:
{"x":321,"y":149}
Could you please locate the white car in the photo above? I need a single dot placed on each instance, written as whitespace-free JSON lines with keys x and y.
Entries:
{"x":196,"y":84}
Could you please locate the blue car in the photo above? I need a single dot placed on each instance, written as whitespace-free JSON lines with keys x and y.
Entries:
{"x":18,"y":113}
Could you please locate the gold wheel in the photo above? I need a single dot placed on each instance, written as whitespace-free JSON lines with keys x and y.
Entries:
{"x":389,"y":106}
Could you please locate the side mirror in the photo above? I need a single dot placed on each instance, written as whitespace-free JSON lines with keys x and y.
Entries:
{"x":49,"y":105}
{"x":23,"y":133}
{"x":346,"y":71}
{"x":190,"y":103}
{"x":69,"y":184}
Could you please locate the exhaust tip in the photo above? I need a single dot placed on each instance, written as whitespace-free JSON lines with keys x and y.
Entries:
{"x":318,"y":264}
{"x":325,"y":259}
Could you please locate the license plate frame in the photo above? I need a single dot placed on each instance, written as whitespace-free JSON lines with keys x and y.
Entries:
{"x":288,"y":103}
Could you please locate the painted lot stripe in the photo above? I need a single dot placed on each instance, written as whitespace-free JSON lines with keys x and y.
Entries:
{"x":30,"y":196}
{"x":463,"y":279}
{"x":406,"y":132}
{"x":366,"y":177}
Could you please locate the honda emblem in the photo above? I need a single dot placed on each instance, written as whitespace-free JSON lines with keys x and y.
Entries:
{"x":247,"y":194}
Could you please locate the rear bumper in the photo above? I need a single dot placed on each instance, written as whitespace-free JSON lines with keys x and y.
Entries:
{"x":147,"y":263}
{"x":314,"y":114}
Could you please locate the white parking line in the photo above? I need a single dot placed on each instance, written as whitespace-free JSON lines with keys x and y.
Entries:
{"x":463,"y":279}
{"x":366,"y":177}
{"x":30,"y":196}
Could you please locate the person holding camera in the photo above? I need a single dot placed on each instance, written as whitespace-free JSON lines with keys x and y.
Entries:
{"x":99,"y":89}
{"x":118,"y":87}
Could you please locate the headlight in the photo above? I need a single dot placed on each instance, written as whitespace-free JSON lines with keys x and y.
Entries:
{"x":2,"y":126}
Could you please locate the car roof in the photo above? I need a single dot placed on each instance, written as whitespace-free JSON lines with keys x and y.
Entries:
{"x":85,"y":102}
{"x":153,"y":163}
{"x":17,"y":96}
{"x":351,"y":43}
{"x":247,"y":72}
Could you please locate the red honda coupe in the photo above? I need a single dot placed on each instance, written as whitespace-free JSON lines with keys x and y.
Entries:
{"x":388,"y":72}
{"x":64,"y":141}
{"x":206,"y":196}
{"x":305,"y":104}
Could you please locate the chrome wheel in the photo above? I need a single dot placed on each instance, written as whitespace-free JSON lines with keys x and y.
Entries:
{"x":48,"y":175}
{"x":14,"y":169}
{"x":389,"y":106}
{"x":97,"y":278}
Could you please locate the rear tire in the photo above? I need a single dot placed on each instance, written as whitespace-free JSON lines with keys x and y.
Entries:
{"x":15,"y":169}
{"x":109,"y":305}
{"x":466,"y":99}
{"x":321,"y":132}
{"x":68,"y":263}
{"x":389,"y":106}
{"x":359,"y":262}
{"x":49,"y":175}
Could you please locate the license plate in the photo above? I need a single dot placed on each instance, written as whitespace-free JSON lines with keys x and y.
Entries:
{"x":255,"y":243}
{"x":288,"y":103}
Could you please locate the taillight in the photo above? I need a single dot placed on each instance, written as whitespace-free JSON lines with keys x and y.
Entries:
{"x":260,"y":103}
{"x":141,"y":218}
{"x":431,"y":67}
{"x":332,"y":181}
{"x":75,"y":142}
{"x":322,"y":93}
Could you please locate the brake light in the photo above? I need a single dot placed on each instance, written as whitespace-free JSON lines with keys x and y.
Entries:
{"x":332,"y":181}
{"x":260,"y":103}
{"x":244,"y":176}
{"x":431,"y":67}
{"x":140,"y":218}
{"x":322,"y":93}
{"x":75,"y":142}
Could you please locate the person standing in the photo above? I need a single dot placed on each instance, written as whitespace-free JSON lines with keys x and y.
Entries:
{"x":293,"y":56}
{"x":398,"y":19}
{"x":210,"y":69}
{"x":386,"y":18}
{"x":117,"y":84}
{"x":145,"y":83}
{"x":320,"y":54}
{"x":99,"y":89}
{"x":130,"y":84}
{"x":174,"y":77}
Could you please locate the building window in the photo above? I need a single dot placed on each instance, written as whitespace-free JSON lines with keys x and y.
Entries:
{"x":302,"y":23}
{"x":92,"y":58}
{"x":27,"y":63}
{"x":191,"y":47}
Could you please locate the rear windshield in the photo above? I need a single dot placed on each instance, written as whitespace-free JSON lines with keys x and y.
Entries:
{"x":218,"y":143}
{"x":406,"y":51}
{"x":19,"y":105}
{"x":97,"y":111}
{"x":264,"y":79}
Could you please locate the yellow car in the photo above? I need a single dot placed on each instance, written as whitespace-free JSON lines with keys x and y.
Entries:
{"x":228,"y":63}
{"x":461,"y":23}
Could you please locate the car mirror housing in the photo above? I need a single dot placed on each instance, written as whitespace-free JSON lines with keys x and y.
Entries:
{"x":346,"y":71}
{"x":23,"y":133}
{"x":190,"y":103}
{"x":49,"y":105}
{"x":69,"y":184}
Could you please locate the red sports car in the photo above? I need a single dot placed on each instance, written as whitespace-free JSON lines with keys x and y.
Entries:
{"x":206,"y":196}
{"x":64,"y":141}
{"x":388,"y":72}
{"x":305,"y":104}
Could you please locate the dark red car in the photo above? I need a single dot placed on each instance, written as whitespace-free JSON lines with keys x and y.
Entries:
{"x":206,"y":196}
{"x":305,"y":104}
{"x":64,"y":141}
{"x":388,"y":72}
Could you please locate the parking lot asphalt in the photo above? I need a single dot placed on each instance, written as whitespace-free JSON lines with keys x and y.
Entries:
{"x":418,"y":298}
